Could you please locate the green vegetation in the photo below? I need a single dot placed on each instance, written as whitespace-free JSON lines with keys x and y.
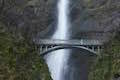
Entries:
{"x":19,"y":59}
{"x":108,"y":64}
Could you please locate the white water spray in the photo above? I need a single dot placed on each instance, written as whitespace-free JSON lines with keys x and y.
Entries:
{"x":62,"y":29}
{"x":57,"y":60}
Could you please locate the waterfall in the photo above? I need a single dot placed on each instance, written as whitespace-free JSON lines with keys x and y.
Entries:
{"x":57,"y":60}
{"x":62,"y":29}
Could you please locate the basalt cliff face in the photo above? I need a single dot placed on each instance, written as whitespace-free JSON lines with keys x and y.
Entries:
{"x":86,"y":16}
{"x":28,"y":16}
{"x":18,"y":56}
{"x":90,"y":19}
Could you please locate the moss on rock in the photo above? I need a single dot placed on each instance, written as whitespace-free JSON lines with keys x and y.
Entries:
{"x":19,"y":59}
{"x":108,"y":64}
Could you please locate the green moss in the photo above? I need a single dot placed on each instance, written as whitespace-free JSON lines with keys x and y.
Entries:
{"x":108,"y":64}
{"x":19,"y":59}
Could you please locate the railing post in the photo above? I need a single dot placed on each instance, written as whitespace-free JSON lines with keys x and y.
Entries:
{"x":52,"y":46}
{"x":98,"y":49}
{"x":41,"y":48}
{"x":46,"y":47}
{"x":93,"y":48}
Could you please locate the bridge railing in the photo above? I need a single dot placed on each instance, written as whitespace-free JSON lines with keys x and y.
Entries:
{"x":68,"y":42}
{"x":44,"y":45}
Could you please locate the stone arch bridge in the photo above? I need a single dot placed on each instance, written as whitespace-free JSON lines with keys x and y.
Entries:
{"x":45,"y":46}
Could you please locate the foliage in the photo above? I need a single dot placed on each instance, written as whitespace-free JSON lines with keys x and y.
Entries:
{"x":108,"y":64}
{"x":19,"y":59}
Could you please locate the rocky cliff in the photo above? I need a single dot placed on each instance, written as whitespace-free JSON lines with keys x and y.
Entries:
{"x":96,"y":17}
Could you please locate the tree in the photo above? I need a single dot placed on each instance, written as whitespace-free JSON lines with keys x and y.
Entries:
{"x":19,"y":59}
{"x":108,"y":64}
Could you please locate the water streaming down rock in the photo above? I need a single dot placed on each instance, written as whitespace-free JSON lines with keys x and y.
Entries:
{"x":57,"y":60}
{"x":63,"y":23}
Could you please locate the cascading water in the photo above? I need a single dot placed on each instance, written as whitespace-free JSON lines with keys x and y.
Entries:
{"x":62,"y":29}
{"x":57,"y":60}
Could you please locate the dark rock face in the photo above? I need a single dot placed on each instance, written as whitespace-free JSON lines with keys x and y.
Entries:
{"x":89,"y":21}
{"x":95,"y":17}
{"x":31,"y":17}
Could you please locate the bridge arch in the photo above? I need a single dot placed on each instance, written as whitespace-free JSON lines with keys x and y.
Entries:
{"x":67,"y":47}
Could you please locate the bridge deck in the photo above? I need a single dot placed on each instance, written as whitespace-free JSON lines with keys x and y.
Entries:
{"x":68,"y":42}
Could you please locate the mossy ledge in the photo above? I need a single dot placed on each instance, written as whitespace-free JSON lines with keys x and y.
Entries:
{"x":19,"y":60}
